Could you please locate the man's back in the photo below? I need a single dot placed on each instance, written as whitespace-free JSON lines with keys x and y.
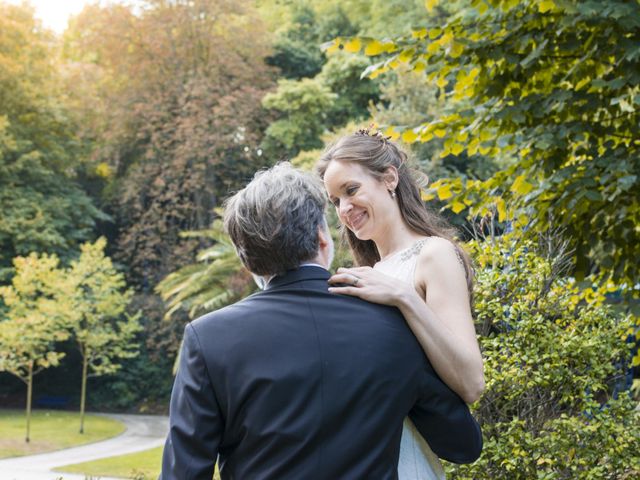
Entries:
{"x":295,"y":382}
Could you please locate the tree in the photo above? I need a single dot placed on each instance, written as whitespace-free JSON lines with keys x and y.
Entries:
{"x":103,"y":330}
{"x":43,"y":207}
{"x":296,"y":50}
{"x":181,"y":84}
{"x":34,"y":319}
{"x":303,"y":105}
{"x":554,"y":86}
{"x":169,"y":97}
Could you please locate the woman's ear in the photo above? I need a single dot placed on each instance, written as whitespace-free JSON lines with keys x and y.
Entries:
{"x":390,"y":178}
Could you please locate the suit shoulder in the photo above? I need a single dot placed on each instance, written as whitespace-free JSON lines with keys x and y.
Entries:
{"x":226,"y":314}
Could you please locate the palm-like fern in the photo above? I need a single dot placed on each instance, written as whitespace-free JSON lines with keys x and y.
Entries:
{"x":217,"y":279}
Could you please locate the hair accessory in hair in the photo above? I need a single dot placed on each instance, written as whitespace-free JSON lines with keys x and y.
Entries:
{"x":368,"y":132}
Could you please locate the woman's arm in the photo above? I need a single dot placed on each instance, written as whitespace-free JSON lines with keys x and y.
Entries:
{"x":440,"y":318}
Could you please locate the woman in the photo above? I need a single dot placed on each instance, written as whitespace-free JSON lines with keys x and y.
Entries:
{"x":408,"y":259}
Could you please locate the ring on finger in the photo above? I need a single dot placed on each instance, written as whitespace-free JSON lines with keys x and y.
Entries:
{"x":355,"y":282}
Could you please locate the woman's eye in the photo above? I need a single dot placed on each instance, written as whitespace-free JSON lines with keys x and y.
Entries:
{"x":336,"y":202}
{"x":351,"y":190}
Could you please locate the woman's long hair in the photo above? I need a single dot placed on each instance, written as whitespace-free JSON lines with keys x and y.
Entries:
{"x":376,"y":153}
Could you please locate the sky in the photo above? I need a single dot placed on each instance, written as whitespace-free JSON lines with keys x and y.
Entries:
{"x":55,"y":13}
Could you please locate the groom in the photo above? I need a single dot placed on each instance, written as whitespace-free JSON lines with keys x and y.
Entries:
{"x":295,"y":382}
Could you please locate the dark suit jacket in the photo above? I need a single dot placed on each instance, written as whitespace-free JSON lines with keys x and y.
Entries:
{"x":297,"y":383}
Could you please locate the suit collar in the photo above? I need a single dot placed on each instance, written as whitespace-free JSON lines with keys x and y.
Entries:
{"x":308,"y":272}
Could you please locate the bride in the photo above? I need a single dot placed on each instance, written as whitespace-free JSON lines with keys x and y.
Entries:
{"x":408,"y":259}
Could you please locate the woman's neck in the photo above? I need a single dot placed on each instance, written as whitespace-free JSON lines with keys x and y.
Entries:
{"x":395,"y":238}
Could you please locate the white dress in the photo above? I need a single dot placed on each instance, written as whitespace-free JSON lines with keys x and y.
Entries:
{"x":417,"y":461}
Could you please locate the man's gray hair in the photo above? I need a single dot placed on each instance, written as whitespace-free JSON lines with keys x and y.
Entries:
{"x":273,"y":222}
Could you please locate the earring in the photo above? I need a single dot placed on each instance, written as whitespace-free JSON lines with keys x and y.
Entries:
{"x":392,"y":193}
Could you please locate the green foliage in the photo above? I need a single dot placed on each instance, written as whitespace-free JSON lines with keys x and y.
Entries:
{"x":304,"y":105}
{"x":102,"y":328}
{"x":218,"y":279}
{"x":43,"y":208}
{"x":36,"y":306}
{"x":353,"y":96}
{"x":296,"y":51}
{"x":553,"y":360}
{"x":554,"y":85}
{"x":179,"y":87}
{"x":143,"y":383}
{"x":309,"y":103}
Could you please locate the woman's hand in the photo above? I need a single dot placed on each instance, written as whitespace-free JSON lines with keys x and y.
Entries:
{"x":371,"y":285}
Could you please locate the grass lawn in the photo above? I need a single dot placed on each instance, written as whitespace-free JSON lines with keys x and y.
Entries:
{"x":143,"y":465}
{"x":51,"y":430}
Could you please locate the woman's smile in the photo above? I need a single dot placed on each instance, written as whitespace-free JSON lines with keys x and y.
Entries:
{"x":357,"y":220}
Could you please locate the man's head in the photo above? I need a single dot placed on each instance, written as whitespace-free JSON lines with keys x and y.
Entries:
{"x":277,"y":221}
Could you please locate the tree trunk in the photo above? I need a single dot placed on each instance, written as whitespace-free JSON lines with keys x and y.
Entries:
{"x":83,"y":394}
{"x":29,"y":395}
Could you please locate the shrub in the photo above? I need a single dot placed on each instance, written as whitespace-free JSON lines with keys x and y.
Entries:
{"x":555,"y":359}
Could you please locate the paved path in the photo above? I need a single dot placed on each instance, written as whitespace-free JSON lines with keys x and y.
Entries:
{"x":143,"y":432}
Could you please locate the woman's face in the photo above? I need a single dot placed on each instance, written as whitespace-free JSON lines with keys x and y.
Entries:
{"x":362,"y":201}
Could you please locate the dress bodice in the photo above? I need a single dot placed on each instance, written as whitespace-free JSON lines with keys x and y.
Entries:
{"x":417,"y":461}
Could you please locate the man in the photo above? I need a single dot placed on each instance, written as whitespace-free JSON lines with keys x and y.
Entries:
{"x":295,"y":382}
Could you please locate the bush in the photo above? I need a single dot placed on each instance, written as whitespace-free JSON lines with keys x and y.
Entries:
{"x":555,"y":358}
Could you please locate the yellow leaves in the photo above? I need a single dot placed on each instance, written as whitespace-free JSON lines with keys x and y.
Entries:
{"x":430,"y":5}
{"x":472,"y":148}
{"x":406,"y":55}
{"x":456,"y":49}
{"x":442,"y":82}
{"x":433,"y":47}
{"x":371,"y":47}
{"x":501,"y":208}
{"x":446,"y":38}
{"x":444,"y":191}
{"x":392,"y":132}
{"x":333,"y":46}
{"x":457,"y":206}
{"x":427,"y":196}
{"x":419,"y":34}
{"x":419,"y":66}
{"x":462,"y":136}
{"x":521,"y":186}
{"x":103,"y":170}
{"x":353,"y":46}
{"x":482,"y":7}
{"x":409,"y":136}
{"x":546,"y":5}
{"x":374,"y":47}
{"x":435,"y":33}
{"x":582,"y":83}
{"x":464,"y":82}
{"x":426,"y":137}
{"x":374,"y":71}
{"x":439,"y":132}
{"x":457,"y":149}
